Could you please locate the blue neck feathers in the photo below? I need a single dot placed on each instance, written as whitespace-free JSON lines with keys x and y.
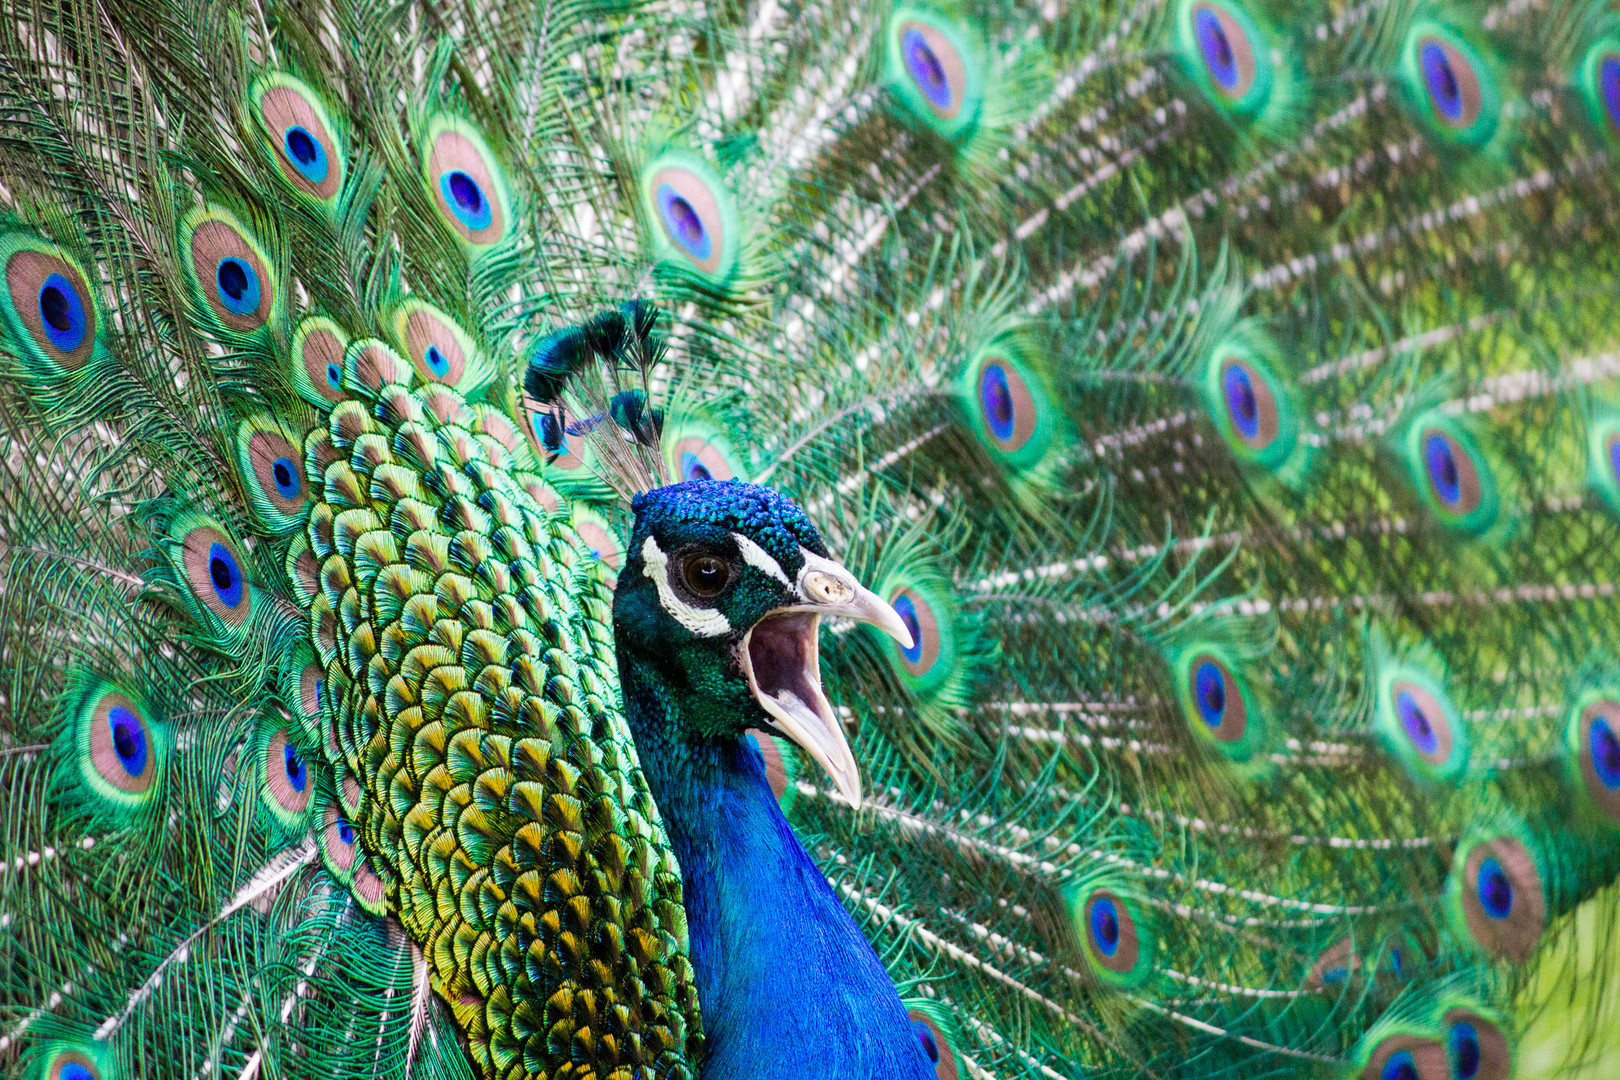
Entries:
{"x":789,"y":986}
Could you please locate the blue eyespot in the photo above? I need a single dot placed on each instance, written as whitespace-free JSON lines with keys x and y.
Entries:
{"x":237,"y":286}
{"x":306,"y":153}
{"x":1609,"y":86}
{"x":1400,"y":1066}
{"x":1216,"y":49}
{"x":334,"y":376}
{"x":1441,"y":80}
{"x":128,"y":739}
{"x":74,"y":1071}
{"x":549,"y":430}
{"x":1442,"y":466}
{"x":683,"y":223}
{"x":1241,"y":404}
{"x":1495,"y":891}
{"x":995,"y":396}
{"x":925,"y":69}
{"x":1335,"y":976}
{"x":466,"y":199}
{"x":907,"y":611}
{"x":297,"y":771}
{"x":1105,"y":926}
{"x":692,"y":468}
{"x":1416,"y":724}
{"x":62,"y":313}
{"x":1209,"y":690}
{"x":345,"y":831}
{"x":926,"y":1037}
{"x":225,"y":575}
{"x":1605,"y":752}
{"x":285,"y":474}
{"x":436,"y":361}
{"x":1464,"y":1051}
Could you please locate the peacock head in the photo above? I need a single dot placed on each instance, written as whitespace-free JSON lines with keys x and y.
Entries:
{"x":722,"y":596}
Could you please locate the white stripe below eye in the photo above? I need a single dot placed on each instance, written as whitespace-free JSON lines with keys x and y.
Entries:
{"x":760,"y":559}
{"x":703,"y":622}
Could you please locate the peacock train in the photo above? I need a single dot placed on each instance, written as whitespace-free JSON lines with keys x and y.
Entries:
{"x":809,"y":539}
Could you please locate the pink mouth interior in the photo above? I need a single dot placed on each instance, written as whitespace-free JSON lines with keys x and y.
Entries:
{"x":783,"y":651}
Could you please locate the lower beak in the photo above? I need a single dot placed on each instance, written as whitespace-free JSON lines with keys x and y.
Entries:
{"x":781,"y":656}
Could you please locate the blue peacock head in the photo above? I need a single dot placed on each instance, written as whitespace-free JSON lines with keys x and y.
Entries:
{"x":722,"y":597}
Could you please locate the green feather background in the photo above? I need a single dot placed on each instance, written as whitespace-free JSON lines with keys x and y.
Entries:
{"x":1225,"y":391}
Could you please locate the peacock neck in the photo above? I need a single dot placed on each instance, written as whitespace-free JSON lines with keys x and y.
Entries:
{"x":788,"y":984}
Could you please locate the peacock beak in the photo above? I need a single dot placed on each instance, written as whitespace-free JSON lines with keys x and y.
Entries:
{"x":781,"y":656}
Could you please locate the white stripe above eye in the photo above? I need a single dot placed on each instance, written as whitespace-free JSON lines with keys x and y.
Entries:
{"x":760,"y":559}
{"x":703,"y":622}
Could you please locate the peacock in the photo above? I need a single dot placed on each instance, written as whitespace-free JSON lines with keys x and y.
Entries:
{"x":830,"y":539}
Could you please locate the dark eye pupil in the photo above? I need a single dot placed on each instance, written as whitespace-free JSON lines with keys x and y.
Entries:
{"x":53,"y":305}
{"x":1610,"y":749}
{"x":551,"y":434}
{"x":926,"y":1037}
{"x":687,"y":220}
{"x":301,"y":145}
{"x":1448,"y":81}
{"x":123,"y":740}
{"x":706,"y":575}
{"x":466,"y":192}
{"x":233,"y":279}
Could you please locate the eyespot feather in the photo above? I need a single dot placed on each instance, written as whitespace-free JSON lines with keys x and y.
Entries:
{"x":1449,"y":86}
{"x":119,"y":751}
{"x":233,"y":280}
{"x":1451,"y":475}
{"x":1113,"y":929}
{"x":692,"y":217}
{"x":1227,"y":55}
{"x":317,"y":361}
{"x":466,"y":183}
{"x":286,"y":779}
{"x":1496,"y":896}
{"x":1011,"y":408}
{"x":270,"y":461}
{"x":299,"y":136}
{"x":1220,"y":707}
{"x":213,"y":574}
{"x":50,"y":314}
{"x":439,"y":349}
{"x":935,"y":71}
{"x":1419,"y":723}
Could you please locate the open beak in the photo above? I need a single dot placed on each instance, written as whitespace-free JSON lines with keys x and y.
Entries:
{"x":781,"y":655}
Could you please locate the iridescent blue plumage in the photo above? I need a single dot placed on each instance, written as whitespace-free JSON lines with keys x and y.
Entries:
{"x":789,"y":986}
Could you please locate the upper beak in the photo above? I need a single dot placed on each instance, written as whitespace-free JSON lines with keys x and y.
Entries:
{"x":781,"y":656}
{"x":868,"y":607}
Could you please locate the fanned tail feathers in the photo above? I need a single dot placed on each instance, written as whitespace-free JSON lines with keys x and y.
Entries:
{"x":1223,"y":393}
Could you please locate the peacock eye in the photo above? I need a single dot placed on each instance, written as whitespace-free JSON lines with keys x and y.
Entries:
{"x":705,"y":575}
